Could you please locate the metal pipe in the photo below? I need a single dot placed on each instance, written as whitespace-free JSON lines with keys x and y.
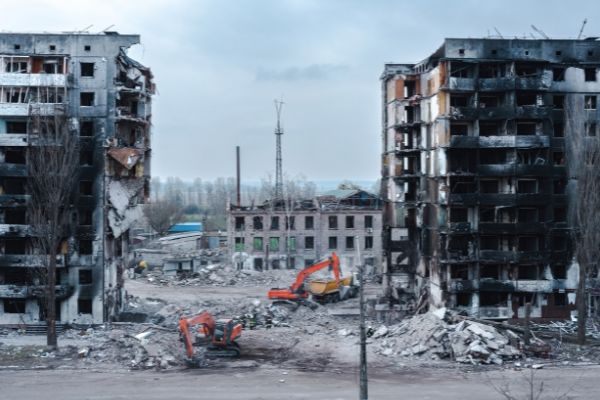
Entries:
{"x":239,"y":195}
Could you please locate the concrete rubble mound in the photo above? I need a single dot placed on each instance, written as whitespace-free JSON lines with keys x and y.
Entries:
{"x":444,"y":335}
{"x":213,"y":275}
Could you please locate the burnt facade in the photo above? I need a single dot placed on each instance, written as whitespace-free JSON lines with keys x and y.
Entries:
{"x":475,"y":179}
{"x":105,"y":96}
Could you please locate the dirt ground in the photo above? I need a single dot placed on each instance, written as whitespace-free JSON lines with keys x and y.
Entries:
{"x":312,"y":353}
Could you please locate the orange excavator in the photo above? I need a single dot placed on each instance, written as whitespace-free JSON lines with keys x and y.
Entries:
{"x":297,"y":292}
{"x":219,"y":336}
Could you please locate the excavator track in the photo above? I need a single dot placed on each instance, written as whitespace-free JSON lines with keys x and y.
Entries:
{"x":231,"y":351}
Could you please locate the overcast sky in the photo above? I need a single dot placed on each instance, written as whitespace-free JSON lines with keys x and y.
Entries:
{"x":220,"y":64}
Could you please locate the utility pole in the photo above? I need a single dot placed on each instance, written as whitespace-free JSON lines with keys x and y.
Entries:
{"x":363,"y":384}
{"x":278,"y":166}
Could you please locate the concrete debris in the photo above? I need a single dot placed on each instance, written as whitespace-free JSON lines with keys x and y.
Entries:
{"x":441,"y":334}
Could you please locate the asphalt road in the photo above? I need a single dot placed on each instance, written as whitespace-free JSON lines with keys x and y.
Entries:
{"x":271,"y":383}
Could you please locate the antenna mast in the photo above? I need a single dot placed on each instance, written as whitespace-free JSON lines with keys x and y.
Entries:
{"x":278,"y":168}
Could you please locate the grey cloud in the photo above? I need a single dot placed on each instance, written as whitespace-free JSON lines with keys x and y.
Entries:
{"x":309,"y":72}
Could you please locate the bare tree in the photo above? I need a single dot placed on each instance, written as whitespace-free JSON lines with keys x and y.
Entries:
{"x":52,"y":162}
{"x":583,"y":161}
{"x":534,"y":389}
{"x":162,"y":214}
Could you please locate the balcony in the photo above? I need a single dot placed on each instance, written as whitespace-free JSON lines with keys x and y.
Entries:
{"x":511,"y":256}
{"x":494,"y":312}
{"x":24,"y":291}
{"x":461,"y":84}
{"x":536,"y":83}
{"x":22,"y":109}
{"x":525,"y":142}
{"x":508,"y":286}
{"x":13,"y":139}
{"x":26,"y":261}
{"x":14,"y":200}
{"x":17,"y":230}
{"x":496,"y":84}
{"x":16,"y":79}
{"x":533,"y":112}
{"x":13,"y":170}
{"x":499,"y":228}
{"x":512,"y":169}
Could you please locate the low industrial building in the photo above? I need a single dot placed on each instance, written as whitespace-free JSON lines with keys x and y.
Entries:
{"x":282,"y":235}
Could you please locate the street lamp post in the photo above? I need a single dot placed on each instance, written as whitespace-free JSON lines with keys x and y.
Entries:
{"x":363,"y":384}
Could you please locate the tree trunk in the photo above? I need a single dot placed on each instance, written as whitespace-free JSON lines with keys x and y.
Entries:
{"x":51,"y":302}
{"x":581,"y":305}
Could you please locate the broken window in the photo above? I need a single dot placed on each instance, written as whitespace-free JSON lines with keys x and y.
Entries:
{"x":309,"y":242}
{"x":87,"y":69}
{"x":560,"y":299}
{"x":524,"y":298}
{"x":15,"y":246}
{"x":590,"y":128}
{"x":463,"y":299}
{"x":257,"y":223}
{"x":527,"y":186}
{"x":558,"y":101}
{"x":492,"y":156}
{"x":558,"y":74}
{"x":14,"y":186}
{"x":590,"y":74}
{"x":18,"y":67}
{"x":14,"y":95}
{"x":524,"y":70}
{"x":309,"y":222}
{"x":590,"y":102}
{"x":559,"y":186}
{"x":52,"y":67}
{"x":488,"y":242}
{"x":459,"y":129}
{"x":490,"y":271}
{"x":459,"y":214}
{"x":526,"y":99}
{"x":14,"y":306}
{"x":368,"y":242}
{"x":349,"y":222}
{"x":257,"y":244}
{"x":14,"y":156}
{"x":558,"y":158}
{"x":84,"y":306}
{"x":526,"y":128}
{"x":459,"y":244}
{"x":560,"y":214}
{"x":86,"y":247}
{"x":274,"y":223}
{"x":489,"y":186}
{"x":85,"y":217}
{"x":368,"y":221}
{"x":86,"y":99}
{"x":87,"y":47}
{"x":349,"y":242}
{"x":85,"y":277}
{"x":289,"y":223}
{"x":489,"y":128}
{"x":16,"y":216}
{"x":332,"y":242}
{"x":333,"y":222}
{"x":527,"y":215}
{"x":487,"y":214}
{"x":462,"y":185}
{"x":559,"y":242}
{"x":86,"y":188}
{"x":409,"y":88}
{"x":559,"y":271}
{"x":86,"y":157}
{"x":530,"y":157}
{"x":258,"y":263}
{"x":490,"y":100}
{"x":527,"y":272}
{"x":239,"y":223}
{"x":493,"y":299}
{"x":461,"y":69}
{"x":559,"y":129}
{"x":274,"y":243}
{"x":86,"y":128}
{"x":16,"y":127}
{"x":459,"y":100}
{"x":528,"y":243}
{"x":459,"y":271}
{"x":491,"y":70}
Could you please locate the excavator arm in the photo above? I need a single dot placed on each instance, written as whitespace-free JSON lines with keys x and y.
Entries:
{"x":208,"y":327}
{"x":296,"y":290}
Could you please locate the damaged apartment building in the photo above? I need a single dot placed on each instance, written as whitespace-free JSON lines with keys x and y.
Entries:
{"x":475,"y":177}
{"x":105,"y":97}
{"x":276,"y":235}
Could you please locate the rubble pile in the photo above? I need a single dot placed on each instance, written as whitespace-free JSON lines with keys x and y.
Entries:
{"x":568,"y":328}
{"x":214,"y":275}
{"x":441,"y":335}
